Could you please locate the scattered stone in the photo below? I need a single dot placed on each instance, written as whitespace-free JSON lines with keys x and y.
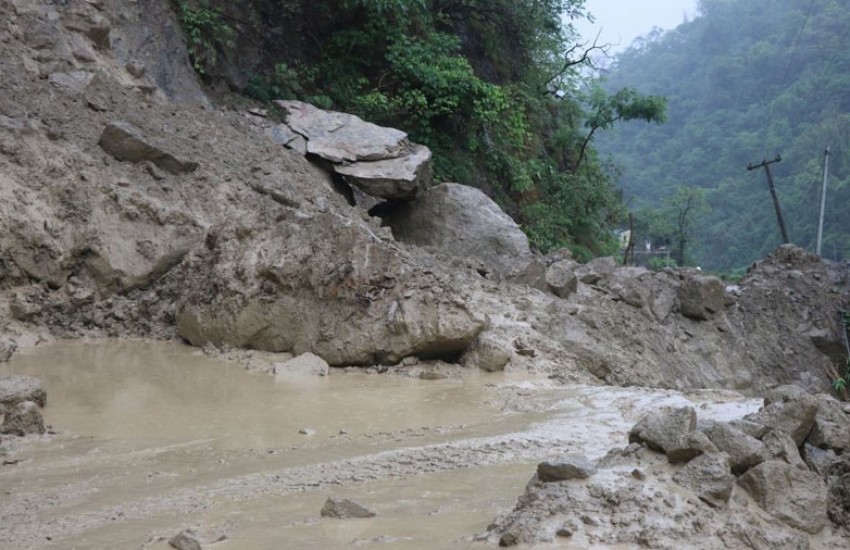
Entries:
{"x":565,"y":467}
{"x":794,"y":496}
{"x":305,"y":364}
{"x":23,"y":419}
{"x":701,"y":297}
{"x":710,"y":477}
{"x":744,"y":451}
{"x":343,"y":508}
{"x":125,"y":142}
{"x":665,"y":430}
{"x":186,"y":540}
{"x":307,"y":431}
{"x":17,"y":388}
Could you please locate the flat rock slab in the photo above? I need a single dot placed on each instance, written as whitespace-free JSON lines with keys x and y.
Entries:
{"x":343,"y":508}
{"x":565,"y":467}
{"x":395,"y":178}
{"x":342,"y":137}
{"x":127,"y":143}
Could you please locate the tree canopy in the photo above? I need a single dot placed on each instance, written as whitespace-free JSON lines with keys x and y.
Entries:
{"x":745,"y":80}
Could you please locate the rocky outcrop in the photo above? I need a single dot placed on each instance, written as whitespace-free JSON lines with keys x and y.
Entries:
{"x":463,"y":222}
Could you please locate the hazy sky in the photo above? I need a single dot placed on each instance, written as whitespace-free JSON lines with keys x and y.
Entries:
{"x":622,"y":21}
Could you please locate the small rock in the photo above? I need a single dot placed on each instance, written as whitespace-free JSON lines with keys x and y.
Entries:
{"x":343,"y":508}
{"x":780,"y":446}
{"x":561,"y":278}
{"x":307,"y":431}
{"x":508,"y":539}
{"x":185,"y":540}
{"x":568,"y":466}
{"x":695,"y":444}
{"x":819,"y":460}
{"x":795,"y":417}
{"x":136,"y":68}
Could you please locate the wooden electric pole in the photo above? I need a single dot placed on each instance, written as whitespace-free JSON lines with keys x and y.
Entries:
{"x":766,"y":165}
{"x":823,"y":198}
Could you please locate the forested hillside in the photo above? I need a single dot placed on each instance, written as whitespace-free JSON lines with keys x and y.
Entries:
{"x":745,"y":80}
{"x":493,"y":87}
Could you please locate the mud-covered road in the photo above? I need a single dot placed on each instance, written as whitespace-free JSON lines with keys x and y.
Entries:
{"x":152,"y":438}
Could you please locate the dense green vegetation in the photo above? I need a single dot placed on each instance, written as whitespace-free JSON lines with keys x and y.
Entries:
{"x":493,"y":87}
{"x":745,"y":80}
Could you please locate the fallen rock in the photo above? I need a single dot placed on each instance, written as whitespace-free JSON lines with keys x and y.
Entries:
{"x":343,"y":508}
{"x":7,"y":349}
{"x":838,"y":506}
{"x":23,"y":419}
{"x":185,"y":540}
{"x":695,"y":444}
{"x":125,"y":142}
{"x":488,"y":353}
{"x":561,"y":278}
{"x":565,"y":467}
{"x":794,"y":496}
{"x":819,"y":461}
{"x":305,"y":364}
{"x":331,"y":288}
{"x":664,"y":430}
{"x":780,"y":446}
{"x":596,"y":270}
{"x":744,"y":451}
{"x":701,"y":297}
{"x":710,"y":477}
{"x":395,"y":178}
{"x":795,"y":417}
{"x":17,"y":388}
{"x":462,"y":222}
{"x":831,"y":428}
{"x":342,"y":137}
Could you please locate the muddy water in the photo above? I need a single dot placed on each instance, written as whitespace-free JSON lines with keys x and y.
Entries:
{"x":155,"y":437}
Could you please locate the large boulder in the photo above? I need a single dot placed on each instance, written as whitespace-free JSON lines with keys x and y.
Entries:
{"x":23,"y":419}
{"x":831,"y":429}
{"x":561,"y":278}
{"x":744,"y":450}
{"x":701,"y":297}
{"x":395,"y":178}
{"x":318,"y":283}
{"x":794,"y":416}
{"x":566,"y":467}
{"x":710,"y":477}
{"x":792,"y":495}
{"x":663,"y":431}
{"x":463,"y":222}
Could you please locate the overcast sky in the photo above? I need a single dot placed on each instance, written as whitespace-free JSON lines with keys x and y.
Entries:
{"x":622,"y":21}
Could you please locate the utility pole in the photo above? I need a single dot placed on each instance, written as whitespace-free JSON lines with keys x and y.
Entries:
{"x":766,"y":164}
{"x":823,"y":198}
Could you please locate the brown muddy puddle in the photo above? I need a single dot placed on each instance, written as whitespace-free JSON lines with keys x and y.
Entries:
{"x":155,"y":437}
